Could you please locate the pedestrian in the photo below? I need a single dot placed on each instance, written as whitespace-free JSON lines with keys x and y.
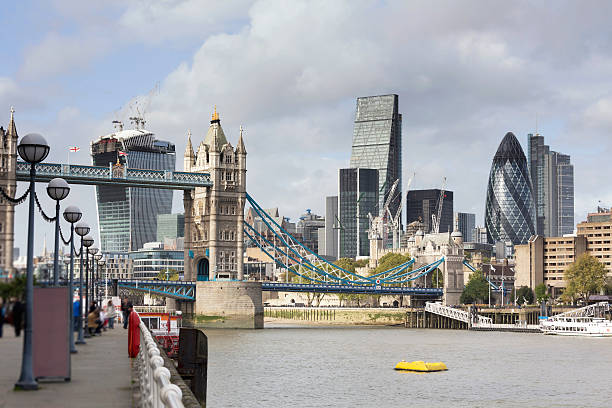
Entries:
{"x":110,"y":311}
{"x":17,"y":316}
{"x":76,"y":314}
{"x":126,"y":312}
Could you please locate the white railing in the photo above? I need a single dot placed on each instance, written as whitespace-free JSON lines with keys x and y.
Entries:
{"x":455,"y":314}
{"x":593,"y":310}
{"x":152,"y":309}
{"x":156,"y":390}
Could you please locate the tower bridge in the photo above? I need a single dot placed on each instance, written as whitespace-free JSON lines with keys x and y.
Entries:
{"x":214,"y":195}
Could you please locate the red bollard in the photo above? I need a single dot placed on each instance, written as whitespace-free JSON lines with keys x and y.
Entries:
{"x":133,"y":334}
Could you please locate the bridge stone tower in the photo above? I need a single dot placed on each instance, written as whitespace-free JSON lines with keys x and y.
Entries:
{"x":214,"y":220}
{"x":8,"y":183}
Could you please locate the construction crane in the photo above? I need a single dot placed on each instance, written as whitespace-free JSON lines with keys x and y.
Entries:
{"x":435,"y":218}
{"x":395,"y":220}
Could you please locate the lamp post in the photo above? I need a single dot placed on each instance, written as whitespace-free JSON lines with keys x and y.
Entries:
{"x":33,"y":148}
{"x":101,"y":263}
{"x":91,"y":275}
{"x":87,"y":242}
{"x":82,"y":229}
{"x":96,"y":289}
{"x":72,"y":214}
{"x":57,"y":189}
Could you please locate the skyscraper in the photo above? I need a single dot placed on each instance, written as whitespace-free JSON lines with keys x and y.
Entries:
{"x":377,"y":144}
{"x":552,"y":179}
{"x":421,"y":204}
{"x":466,"y":222}
{"x":358,"y":197}
{"x":128,"y":215}
{"x":330,"y":248}
{"x":509,"y":209}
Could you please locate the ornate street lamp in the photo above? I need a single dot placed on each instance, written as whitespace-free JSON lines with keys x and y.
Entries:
{"x":57,"y":189}
{"x":89,"y":291}
{"x":87,"y":242}
{"x":96,"y":289}
{"x":72,"y":214}
{"x":33,"y":149}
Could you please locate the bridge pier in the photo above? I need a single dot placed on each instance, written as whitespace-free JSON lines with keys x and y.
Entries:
{"x":228,"y":304}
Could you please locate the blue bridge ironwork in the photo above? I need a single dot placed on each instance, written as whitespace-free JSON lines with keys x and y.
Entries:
{"x":185,"y":290}
{"x":115,"y":175}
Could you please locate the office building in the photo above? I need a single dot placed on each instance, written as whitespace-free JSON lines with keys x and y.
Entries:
{"x":128,"y":215}
{"x":509,"y":208}
{"x":357,"y":197}
{"x":545,"y":259}
{"x":480,"y":235}
{"x":466,"y":222}
{"x":422,"y":204}
{"x":377,"y":144}
{"x":552,"y":179}
{"x":151,"y":260}
{"x":307,"y":229}
{"x":328,"y":236}
{"x":170,"y":226}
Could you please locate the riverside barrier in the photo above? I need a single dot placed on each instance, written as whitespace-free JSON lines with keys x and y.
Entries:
{"x":156,"y":389}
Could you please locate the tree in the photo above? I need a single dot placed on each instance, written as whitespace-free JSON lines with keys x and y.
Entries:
{"x":477,"y":289}
{"x":389,"y":261}
{"x":168,"y":274}
{"x":523,"y":295}
{"x":437,"y":278}
{"x":541,"y":293}
{"x":584,"y":277}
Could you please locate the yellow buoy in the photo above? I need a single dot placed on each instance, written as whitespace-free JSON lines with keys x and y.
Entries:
{"x":420,"y":366}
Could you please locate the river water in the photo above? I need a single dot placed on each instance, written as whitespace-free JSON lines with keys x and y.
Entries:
{"x":293,"y":366}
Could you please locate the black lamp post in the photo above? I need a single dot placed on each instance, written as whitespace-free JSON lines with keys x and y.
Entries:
{"x":101,"y":263}
{"x":96,"y":277}
{"x":92,"y":273}
{"x":82,"y":229}
{"x":33,"y":148}
{"x":57,"y":189}
{"x":72,"y":214}
{"x":87,"y":242}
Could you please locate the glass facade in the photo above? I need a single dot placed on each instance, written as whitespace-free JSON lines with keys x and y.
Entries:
{"x":127,"y":216}
{"x":421,"y":204}
{"x":358,"y":197}
{"x":170,"y":226}
{"x":509,"y":209}
{"x":552,"y":179}
{"x":466,"y":223}
{"x":148,"y":263}
{"x":377,"y":144}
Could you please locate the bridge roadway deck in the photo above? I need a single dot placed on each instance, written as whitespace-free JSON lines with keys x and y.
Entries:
{"x":101,"y":375}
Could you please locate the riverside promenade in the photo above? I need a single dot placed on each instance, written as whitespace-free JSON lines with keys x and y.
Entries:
{"x":101,"y":375}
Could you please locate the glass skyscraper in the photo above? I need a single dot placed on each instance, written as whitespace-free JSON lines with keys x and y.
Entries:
{"x":127,"y":216}
{"x":466,"y":223}
{"x":377,"y":144}
{"x":552,"y":178}
{"x":358,"y":197}
{"x":421,"y":204}
{"x":509,"y":209}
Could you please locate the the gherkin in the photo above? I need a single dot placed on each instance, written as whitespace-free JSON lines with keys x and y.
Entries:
{"x":510,"y":209}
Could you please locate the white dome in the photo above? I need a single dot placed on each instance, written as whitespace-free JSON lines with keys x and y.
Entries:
{"x":456,"y":234}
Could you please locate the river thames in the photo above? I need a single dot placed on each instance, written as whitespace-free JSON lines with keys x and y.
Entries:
{"x":294,"y":366}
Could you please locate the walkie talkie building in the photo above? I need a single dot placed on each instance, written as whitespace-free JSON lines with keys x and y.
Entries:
{"x":509,"y":209}
{"x":128,"y":215}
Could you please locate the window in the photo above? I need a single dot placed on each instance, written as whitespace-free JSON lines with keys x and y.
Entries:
{"x":228,"y":176}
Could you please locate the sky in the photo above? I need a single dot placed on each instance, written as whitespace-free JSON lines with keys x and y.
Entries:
{"x":290,"y":72}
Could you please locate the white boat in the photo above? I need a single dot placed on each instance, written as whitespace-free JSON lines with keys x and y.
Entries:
{"x":579,"y":322}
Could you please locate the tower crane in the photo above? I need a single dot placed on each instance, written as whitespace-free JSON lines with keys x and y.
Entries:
{"x":435,"y":218}
{"x":395,"y":220}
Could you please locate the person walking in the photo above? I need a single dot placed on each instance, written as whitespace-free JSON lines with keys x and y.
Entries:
{"x":126,"y":312}
{"x":17,"y":317}
{"x":2,"y":312}
{"x":75,"y":314}
{"x":110,"y":312}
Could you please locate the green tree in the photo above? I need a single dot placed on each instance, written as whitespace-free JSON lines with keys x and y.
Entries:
{"x":523,"y":295}
{"x":437,"y":278}
{"x":477,"y":289}
{"x":346,"y":263}
{"x":584,"y":277}
{"x":541,"y":293}
{"x":168,"y":274}
{"x":388,"y":261}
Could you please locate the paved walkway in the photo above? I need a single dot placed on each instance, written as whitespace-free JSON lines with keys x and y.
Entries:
{"x":101,"y":375}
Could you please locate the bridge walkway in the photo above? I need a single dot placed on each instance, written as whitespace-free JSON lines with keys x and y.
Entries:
{"x":101,"y":375}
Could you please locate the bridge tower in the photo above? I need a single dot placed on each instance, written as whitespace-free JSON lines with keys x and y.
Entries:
{"x":8,"y":183}
{"x":214,"y":218}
